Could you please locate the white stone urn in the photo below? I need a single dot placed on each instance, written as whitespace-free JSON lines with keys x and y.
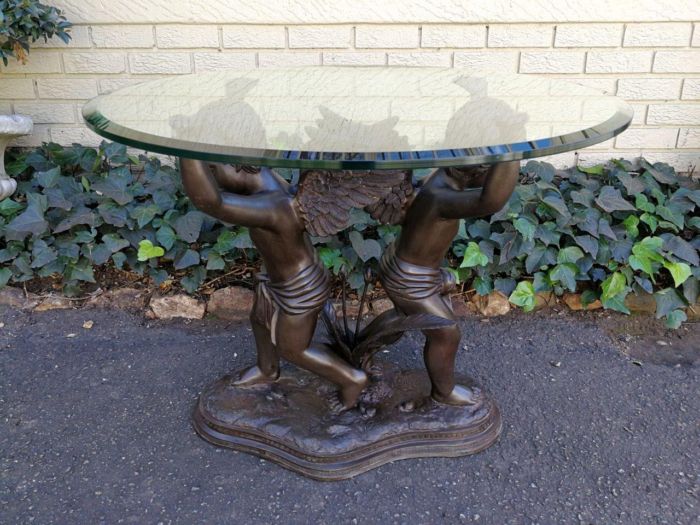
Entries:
{"x":11,"y":126}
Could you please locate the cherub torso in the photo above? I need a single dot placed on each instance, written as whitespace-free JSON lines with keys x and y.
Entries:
{"x":425,"y":236}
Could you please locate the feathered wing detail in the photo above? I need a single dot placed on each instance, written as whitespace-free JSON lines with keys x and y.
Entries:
{"x":326,"y":198}
{"x":391,"y":208}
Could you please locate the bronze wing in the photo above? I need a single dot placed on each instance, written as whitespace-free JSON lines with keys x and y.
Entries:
{"x":326,"y":198}
{"x":391,"y":208}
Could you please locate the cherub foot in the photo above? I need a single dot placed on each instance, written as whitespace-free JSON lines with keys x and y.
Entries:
{"x":253,"y":376}
{"x":346,"y":397}
{"x":460,"y":395}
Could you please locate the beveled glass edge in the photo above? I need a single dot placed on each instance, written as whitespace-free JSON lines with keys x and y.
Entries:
{"x":454,"y":157}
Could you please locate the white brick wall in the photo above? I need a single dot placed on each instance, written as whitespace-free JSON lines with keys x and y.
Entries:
{"x":645,"y":51}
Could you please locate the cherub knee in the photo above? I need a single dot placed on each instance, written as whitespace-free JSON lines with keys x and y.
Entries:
{"x":445,"y":336}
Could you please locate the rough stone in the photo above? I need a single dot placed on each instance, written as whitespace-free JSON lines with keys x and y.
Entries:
{"x":232,"y":303}
{"x":352,"y":307}
{"x":462,"y":308}
{"x":641,"y":303}
{"x":544,"y":300}
{"x":123,"y":298}
{"x":379,"y":306}
{"x":16,"y":298}
{"x":492,"y":304}
{"x":573,"y":301}
{"x":174,"y":306}
{"x":54,"y":302}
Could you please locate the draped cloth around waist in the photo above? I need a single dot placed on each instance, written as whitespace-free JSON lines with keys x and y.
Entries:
{"x":306,"y":292}
{"x":411,"y":282}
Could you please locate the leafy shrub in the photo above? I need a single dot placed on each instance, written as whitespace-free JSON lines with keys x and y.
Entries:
{"x":605,"y":231}
{"x":22,"y":21}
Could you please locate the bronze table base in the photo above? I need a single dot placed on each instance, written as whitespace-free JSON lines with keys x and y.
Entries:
{"x":337,"y":415}
{"x":289,"y":422}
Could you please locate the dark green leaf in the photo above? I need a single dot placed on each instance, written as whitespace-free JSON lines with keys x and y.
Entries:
{"x":541,"y":170}
{"x":667,"y":300}
{"x":564,"y":274}
{"x":610,"y":199}
{"x":30,"y":221}
{"x":78,"y":216}
{"x":681,"y":249}
{"x":675,"y":318}
{"x":189,"y":225}
{"x":571,"y":254}
{"x":633,"y":185}
{"x":194,"y":279}
{"x":9,"y":207}
{"x":144,"y":214}
{"x":5,"y":276}
{"x":588,"y":243}
{"x":166,"y":237}
{"x":215,"y":262}
{"x":189,"y":258}
{"x":479,"y":229}
{"x":505,"y":285}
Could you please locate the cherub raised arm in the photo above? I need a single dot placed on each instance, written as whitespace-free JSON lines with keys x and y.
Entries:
{"x":295,"y":285}
{"x":410,"y":269}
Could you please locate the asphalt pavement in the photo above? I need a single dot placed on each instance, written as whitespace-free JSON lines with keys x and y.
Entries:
{"x":95,"y":428}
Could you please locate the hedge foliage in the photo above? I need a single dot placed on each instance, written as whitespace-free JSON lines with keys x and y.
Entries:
{"x":604,"y":231}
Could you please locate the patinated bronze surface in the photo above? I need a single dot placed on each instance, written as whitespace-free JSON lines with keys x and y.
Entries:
{"x":289,"y":422}
{"x":371,"y":414}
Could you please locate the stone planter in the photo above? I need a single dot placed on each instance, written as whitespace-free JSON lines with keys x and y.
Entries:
{"x":11,"y":127}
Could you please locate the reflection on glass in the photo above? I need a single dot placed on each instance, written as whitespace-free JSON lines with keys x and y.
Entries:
{"x":355,"y":113}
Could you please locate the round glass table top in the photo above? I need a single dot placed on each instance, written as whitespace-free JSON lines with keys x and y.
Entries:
{"x":357,"y":118}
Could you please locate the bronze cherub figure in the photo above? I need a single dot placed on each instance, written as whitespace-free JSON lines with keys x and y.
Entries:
{"x":295,"y":285}
{"x":410,"y":270}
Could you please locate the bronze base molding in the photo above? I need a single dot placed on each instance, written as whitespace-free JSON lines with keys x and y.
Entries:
{"x":290,"y":422}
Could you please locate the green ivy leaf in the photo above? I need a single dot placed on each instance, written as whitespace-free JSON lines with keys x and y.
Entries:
{"x":679,"y":271}
{"x":668,"y":300}
{"x":145,"y":214}
{"x":674,"y":217}
{"x":215,"y":261}
{"x":526,"y":228}
{"x":5,"y":276}
{"x":165,"y":236}
{"x":613,"y":286}
{"x":30,"y":221}
{"x":114,"y":242}
{"x":187,"y":259}
{"x":225,"y":242}
{"x":473,"y":256}
{"x":565,"y":274}
{"x":523,"y":296}
{"x":189,"y":226}
{"x":598,"y":169}
{"x":675,"y":318}
{"x":8,"y":207}
{"x":610,"y":199}
{"x":366,"y":249}
{"x":194,"y":279}
{"x":650,"y":221}
{"x":616,"y":303}
{"x":570,"y":254}
{"x":642,"y":203}
{"x":148,"y":251}
{"x":483,"y":285}
{"x":631,"y":224}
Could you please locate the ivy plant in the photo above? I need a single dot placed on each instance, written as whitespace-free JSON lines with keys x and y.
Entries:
{"x":603,"y":231}
{"x":25,"y":21}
